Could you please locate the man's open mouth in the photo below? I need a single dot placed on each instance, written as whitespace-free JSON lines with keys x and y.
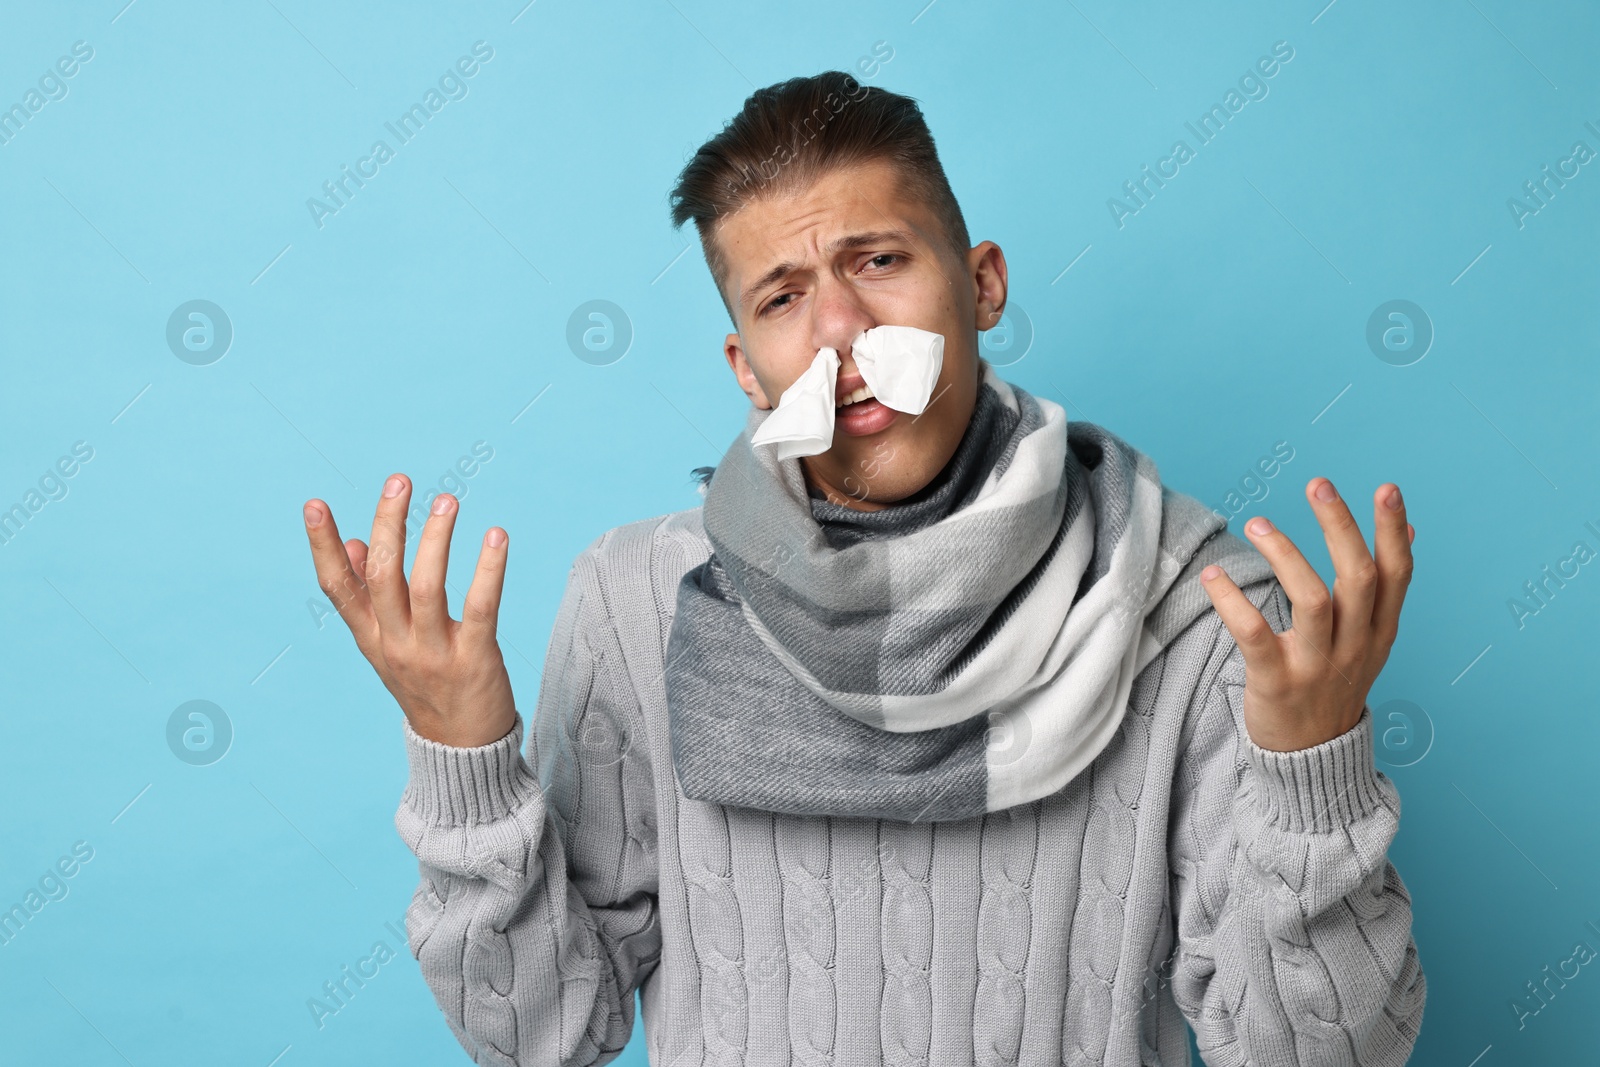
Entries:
{"x":858,"y":395}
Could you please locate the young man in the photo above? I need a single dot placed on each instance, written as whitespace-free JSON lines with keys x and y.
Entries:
{"x":961,"y":740}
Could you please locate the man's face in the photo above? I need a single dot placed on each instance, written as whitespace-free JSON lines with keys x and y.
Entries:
{"x":855,"y":254}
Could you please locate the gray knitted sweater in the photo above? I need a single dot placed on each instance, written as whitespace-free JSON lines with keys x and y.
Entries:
{"x":1187,"y":874}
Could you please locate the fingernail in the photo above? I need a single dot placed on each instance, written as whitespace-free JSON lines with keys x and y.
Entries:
{"x":441,"y":504}
{"x":393,"y":486}
{"x":1210,"y":573}
{"x":496,"y":538}
{"x":1325,"y":491}
{"x":1259,"y":525}
{"x":313,"y":515}
{"x":1394,"y":499}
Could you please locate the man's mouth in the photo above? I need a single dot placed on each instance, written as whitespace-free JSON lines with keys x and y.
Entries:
{"x":856,"y":396}
{"x":860,"y":414}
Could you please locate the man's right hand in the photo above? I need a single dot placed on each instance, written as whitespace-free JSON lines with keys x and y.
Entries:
{"x":448,"y":677}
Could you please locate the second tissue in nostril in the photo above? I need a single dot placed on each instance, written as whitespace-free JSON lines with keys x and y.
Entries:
{"x":900,"y":363}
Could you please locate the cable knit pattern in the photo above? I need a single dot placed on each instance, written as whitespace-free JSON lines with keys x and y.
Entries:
{"x":1186,"y":874}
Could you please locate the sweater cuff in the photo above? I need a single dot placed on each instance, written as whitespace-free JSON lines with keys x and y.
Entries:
{"x":460,"y":786}
{"x":1322,"y":788}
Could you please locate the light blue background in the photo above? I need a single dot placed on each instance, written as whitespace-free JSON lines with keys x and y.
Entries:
{"x":1227,"y":315}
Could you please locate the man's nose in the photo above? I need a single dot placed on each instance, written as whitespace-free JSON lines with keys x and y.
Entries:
{"x":839,"y":320}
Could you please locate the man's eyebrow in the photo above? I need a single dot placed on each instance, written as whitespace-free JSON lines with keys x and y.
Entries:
{"x":842,"y":244}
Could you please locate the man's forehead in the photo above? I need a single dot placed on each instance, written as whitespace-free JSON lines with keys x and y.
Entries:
{"x":848,"y":197}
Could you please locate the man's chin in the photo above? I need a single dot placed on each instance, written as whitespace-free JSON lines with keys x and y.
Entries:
{"x":872,"y":475}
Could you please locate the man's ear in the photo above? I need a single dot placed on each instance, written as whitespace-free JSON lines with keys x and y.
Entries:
{"x":987,"y":266}
{"x":740,"y":365}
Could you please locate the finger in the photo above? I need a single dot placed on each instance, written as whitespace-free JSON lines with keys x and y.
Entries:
{"x":385,"y":569}
{"x":1355,"y":574}
{"x":1255,"y":637}
{"x":1310,"y":604}
{"x":357,"y":551}
{"x":1394,"y":560}
{"x":480,"y":611}
{"x":338,"y":579}
{"x":430,"y":605}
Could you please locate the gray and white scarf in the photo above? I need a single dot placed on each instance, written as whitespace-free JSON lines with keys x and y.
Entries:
{"x":964,"y":650}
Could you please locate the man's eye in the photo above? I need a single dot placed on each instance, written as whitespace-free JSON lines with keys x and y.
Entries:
{"x":775,"y":304}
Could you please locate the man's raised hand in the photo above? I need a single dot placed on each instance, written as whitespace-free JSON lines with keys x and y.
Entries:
{"x":1309,"y":684}
{"x":448,"y":677}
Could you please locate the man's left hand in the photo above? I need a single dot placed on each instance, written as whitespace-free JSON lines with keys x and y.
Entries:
{"x":1309,"y":684}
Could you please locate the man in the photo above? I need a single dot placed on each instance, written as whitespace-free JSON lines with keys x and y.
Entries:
{"x":953,"y":742}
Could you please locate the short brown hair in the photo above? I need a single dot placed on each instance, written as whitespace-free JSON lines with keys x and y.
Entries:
{"x":770,"y":147}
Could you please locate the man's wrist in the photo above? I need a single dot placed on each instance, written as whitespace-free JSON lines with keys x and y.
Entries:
{"x":1302,"y":738}
{"x":463,"y":735}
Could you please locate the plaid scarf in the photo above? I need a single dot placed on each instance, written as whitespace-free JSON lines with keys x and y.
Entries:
{"x":964,"y":650}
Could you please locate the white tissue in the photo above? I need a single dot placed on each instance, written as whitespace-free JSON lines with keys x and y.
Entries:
{"x":901,"y":364}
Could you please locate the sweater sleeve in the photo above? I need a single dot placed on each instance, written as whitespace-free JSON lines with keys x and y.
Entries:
{"x":1294,"y":937}
{"x":535,"y":919}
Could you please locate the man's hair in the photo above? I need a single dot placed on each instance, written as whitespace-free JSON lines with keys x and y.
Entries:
{"x":787,"y":135}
